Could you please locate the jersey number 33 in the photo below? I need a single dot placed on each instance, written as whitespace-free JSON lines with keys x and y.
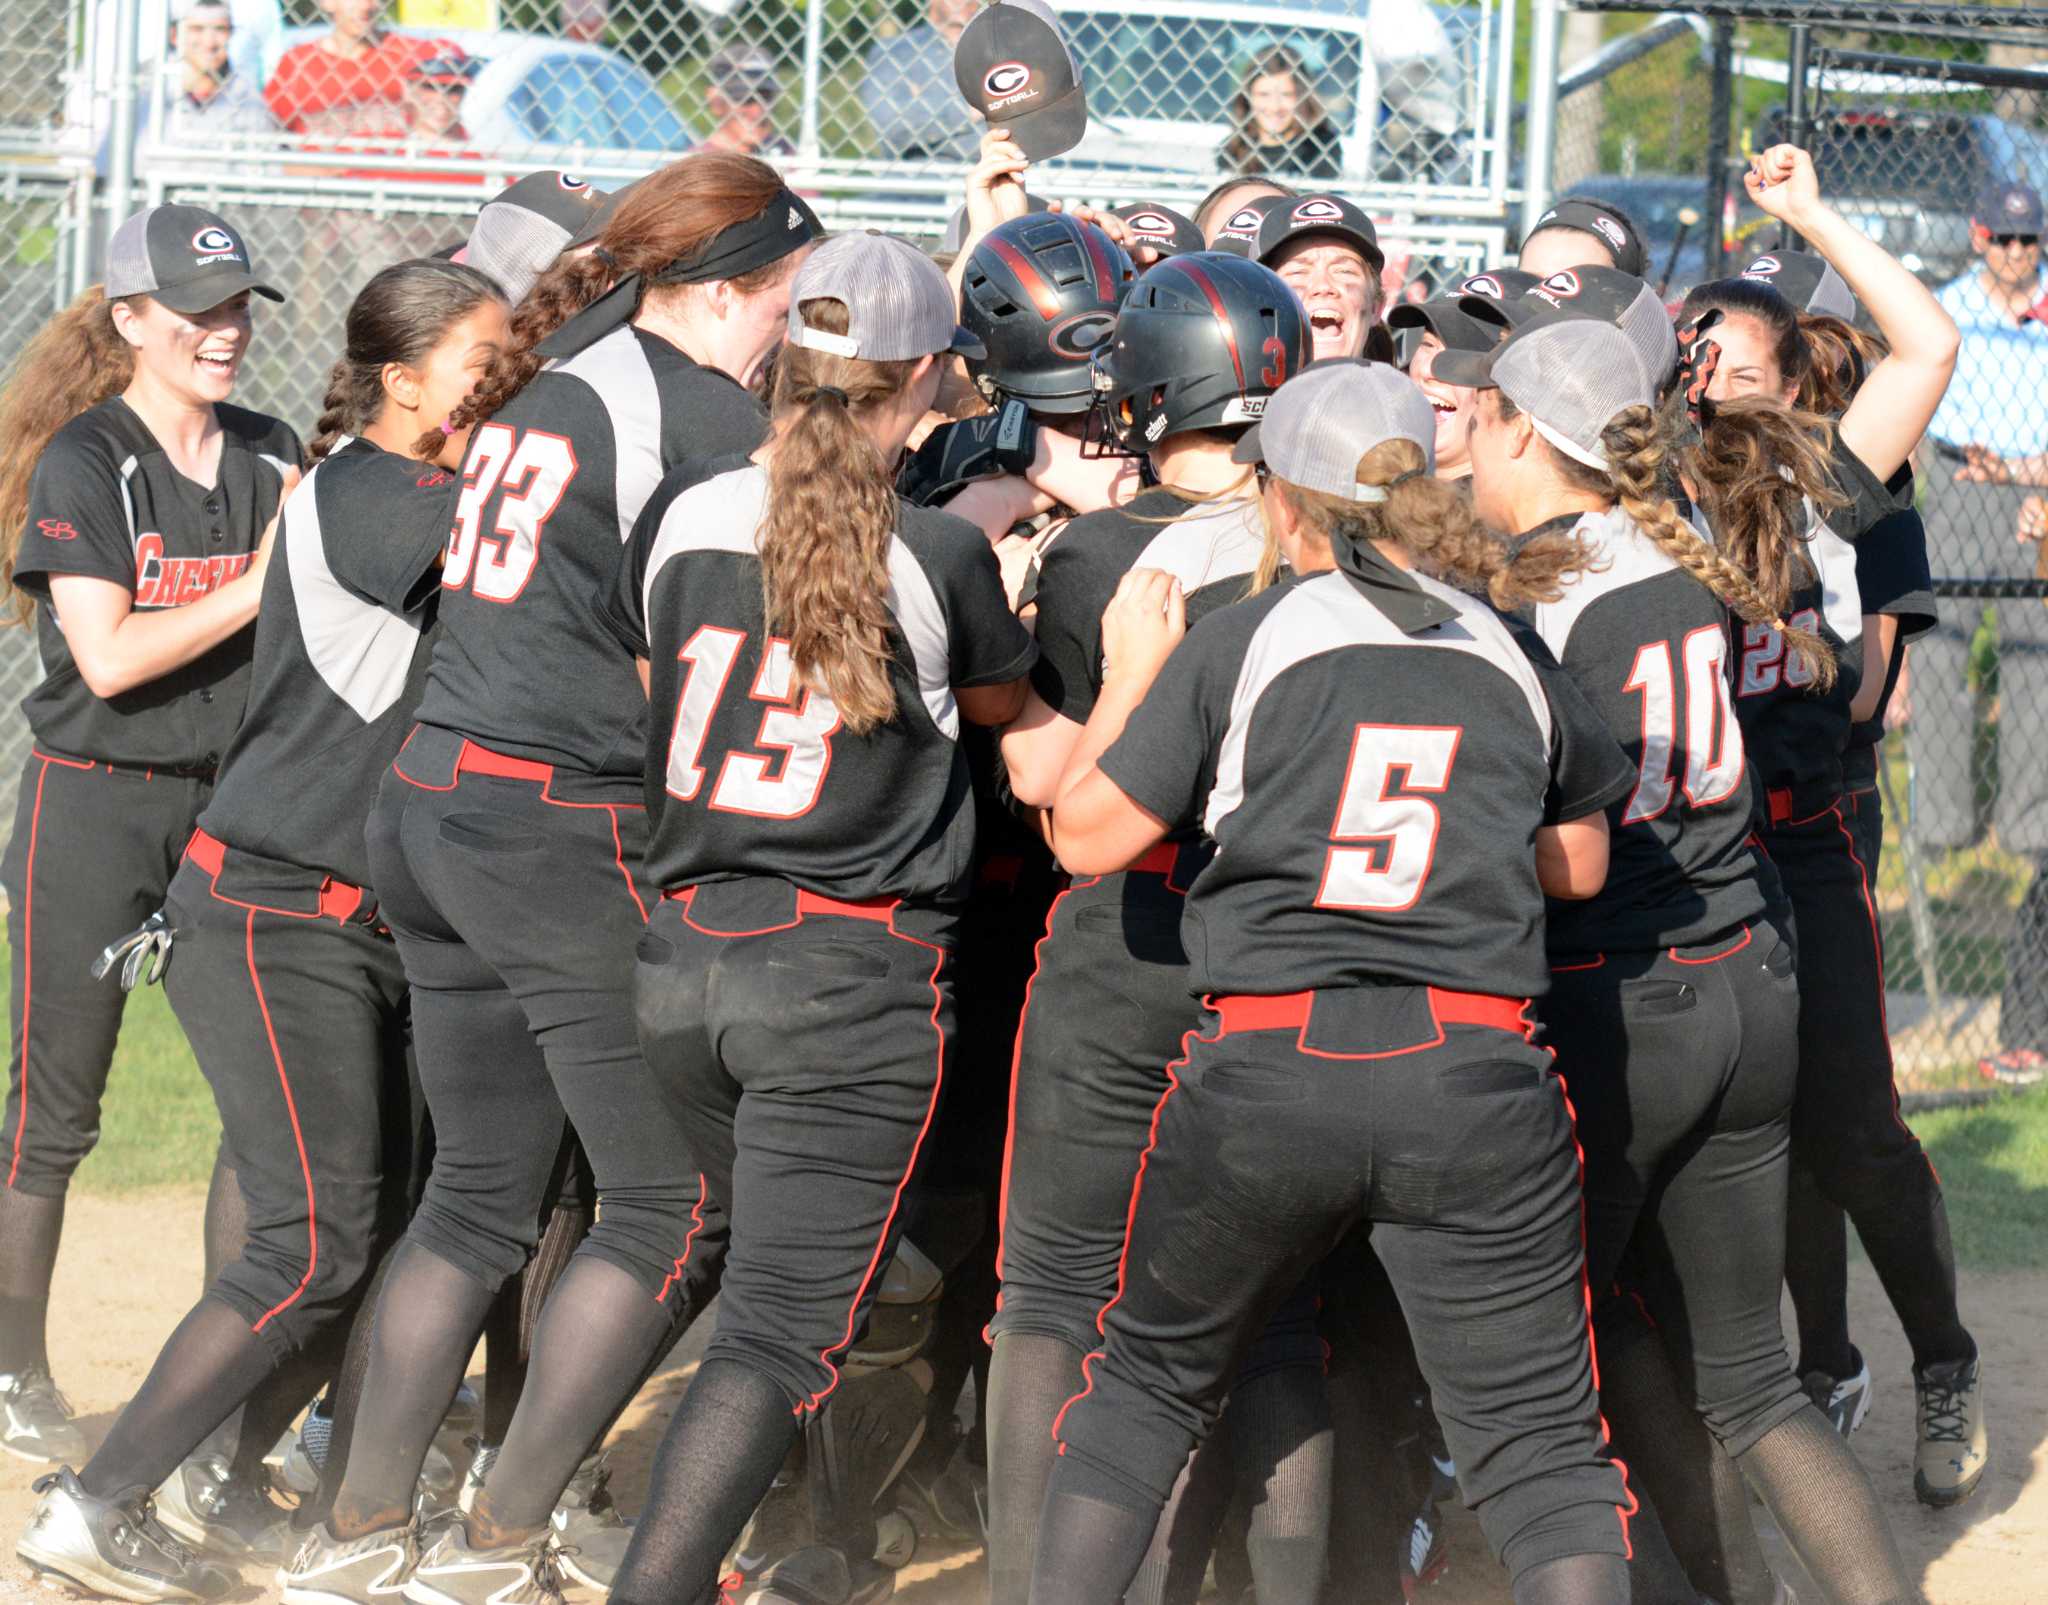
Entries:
{"x":511,"y":485}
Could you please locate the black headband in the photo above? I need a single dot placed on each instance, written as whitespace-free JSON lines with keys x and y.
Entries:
{"x":785,"y":224}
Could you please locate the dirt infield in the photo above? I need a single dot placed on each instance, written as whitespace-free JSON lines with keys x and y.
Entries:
{"x":131,"y":1268}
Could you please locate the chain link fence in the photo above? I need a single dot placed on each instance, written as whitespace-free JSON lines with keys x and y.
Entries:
{"x":1909,"y":129}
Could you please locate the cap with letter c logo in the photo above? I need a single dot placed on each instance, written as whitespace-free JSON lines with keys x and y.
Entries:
{"x":1005,"y":78}
{"x":215,"y":241}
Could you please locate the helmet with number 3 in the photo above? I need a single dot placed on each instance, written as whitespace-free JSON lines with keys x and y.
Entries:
{"x":1203,"y":339}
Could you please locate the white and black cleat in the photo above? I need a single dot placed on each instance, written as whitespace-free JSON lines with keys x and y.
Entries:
{"x":370,"y":1569}
{"x":451,"y":1572}
{"x":115,"y":1548}
{"x":588,"y":1533}
{"x":36,"y":1421}
{"x":206,"y":1506}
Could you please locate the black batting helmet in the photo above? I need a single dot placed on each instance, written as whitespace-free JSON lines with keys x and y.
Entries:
{"x":1041,"y":293}
{"x":1202,"y":341}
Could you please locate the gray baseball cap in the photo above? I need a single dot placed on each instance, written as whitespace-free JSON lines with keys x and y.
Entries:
{"x":1597,"y":294}
{"x":898,"y":304}
{"x":1320,"y":422}
{"x":526,"y":225}
{"x":1570,"y":375}
{"x":184,"y":256}
{"x":1806,"y":280}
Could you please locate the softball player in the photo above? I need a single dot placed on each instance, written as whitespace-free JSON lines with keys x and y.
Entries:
{"x":1390,"y":782}
{"x":290,"y":991}
{"x":1673,"y":1007}
{"x":520,"y":788}
{"x":1846,"y":1126}
{"x":134,"y":503}
{"x":814,"y":646}
{"x":1108,"y":1002}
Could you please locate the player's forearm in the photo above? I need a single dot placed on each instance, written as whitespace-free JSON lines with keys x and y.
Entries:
{"x":146,"y":646}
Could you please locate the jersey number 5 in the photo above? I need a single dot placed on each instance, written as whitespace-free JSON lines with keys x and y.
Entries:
{"x":801,"y":727}
{"x":1713,"y":740}
{"x":1396,"y":824}
{"x":533,"y":469}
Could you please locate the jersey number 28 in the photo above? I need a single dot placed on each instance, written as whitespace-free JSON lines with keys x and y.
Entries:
{"x":533,"y":469}
{"x":1706,"y":718}
{"x":800,"y":727}
{"x":1394,"y":824}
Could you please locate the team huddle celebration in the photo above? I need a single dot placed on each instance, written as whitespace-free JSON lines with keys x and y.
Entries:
{"x":1190,"y":909}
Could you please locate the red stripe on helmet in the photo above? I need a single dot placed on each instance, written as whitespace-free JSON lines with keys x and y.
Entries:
{"x":1203,"y":284}
{"x":1043,"y":296}
{"x":1105,"y":275}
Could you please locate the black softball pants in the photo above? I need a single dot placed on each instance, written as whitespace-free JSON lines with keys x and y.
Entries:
{"x":1289,"y":1121}
{"x":1681,"y":1063}
{"x":801,"y":1044}
{"x":1847,"y":1131}
{"x":93,"y":851}
{"x":298,"y":1018}
{"x":1112,"y":1011}
{"x":514,"y":896}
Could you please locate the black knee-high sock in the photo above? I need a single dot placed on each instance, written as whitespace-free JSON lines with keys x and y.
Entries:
{"x":226,"y":1232}
{"x":1817,"y":1276}
{"x":592,"y":1347}
{"x":30,"y":1225}
{"x":346,"y":1395}
{"x":722,"y":1449}
{"x":212,"y":1362}
{"x":429,"y":1313}
{"x":1178,"y":1557}
{"x":515,"y":1316}
{"x":1283,"y":1452}
{"x":1575,"y":1580}
{"x":1030,"y":1378}
{"x":1092,"y":1537}
{"x":281,"y":1396}
{"x":1824,"y":1505}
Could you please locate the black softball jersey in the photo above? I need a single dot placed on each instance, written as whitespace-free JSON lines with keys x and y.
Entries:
{"x":106,"y":503}
{"x":1795,"y":733}
{"x":342,"y":645}
{"x":760,"y":777}
{"x":1373,"y":768}
{"x":1648,"y":646}
{"x":1211,"y":548}
{"x":550,"y":490}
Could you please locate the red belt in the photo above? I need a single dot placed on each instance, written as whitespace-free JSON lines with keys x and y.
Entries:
{"x":1159,"y":859}
{"x":477,"y":760}
{"x":1289,"y":1011}
{"x":879,"y":909}
{"x":1788,"y":804}
{"x":338,"y":900}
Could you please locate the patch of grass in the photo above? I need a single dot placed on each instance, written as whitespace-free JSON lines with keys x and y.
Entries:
{"x":158,"y":1125}
{"x":1993,"y":1163}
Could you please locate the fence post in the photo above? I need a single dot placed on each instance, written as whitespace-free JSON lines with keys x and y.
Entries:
{"x":121,"y":139}
{"x":1545,"y":21}
{"x":1720,"y":136}
{"x":1798,"y":38}
{"x":814,"y":51}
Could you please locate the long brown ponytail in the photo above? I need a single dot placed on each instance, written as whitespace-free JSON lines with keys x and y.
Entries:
{"x":75,"y":361}
{"x":831,"y":516}
{"x":670,"y":213}
{"x":1433,"y":522}
{"x":1639,"y":444}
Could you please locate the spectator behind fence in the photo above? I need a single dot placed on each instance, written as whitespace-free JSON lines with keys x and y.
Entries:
{"x":202,"y":96}
{"x":911,"y":100}
{"x":740,"y":92}
{"x":1277,"y":125}
{"x":1989,"y":440}
{"x":431,"y":119}
{"x":585,"y":21}
{"x":352,"y":80}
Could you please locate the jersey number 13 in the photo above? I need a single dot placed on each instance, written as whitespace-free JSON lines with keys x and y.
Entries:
{"x":799,"y":727}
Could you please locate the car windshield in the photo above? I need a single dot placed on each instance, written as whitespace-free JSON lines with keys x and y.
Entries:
{"x":584,"y":100}
{"x":1188,"y":69}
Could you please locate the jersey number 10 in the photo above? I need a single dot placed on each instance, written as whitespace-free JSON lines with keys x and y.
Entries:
{"x":532,"y":469}
{"x":800,"y":726}
{"x":1713,"y":740}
